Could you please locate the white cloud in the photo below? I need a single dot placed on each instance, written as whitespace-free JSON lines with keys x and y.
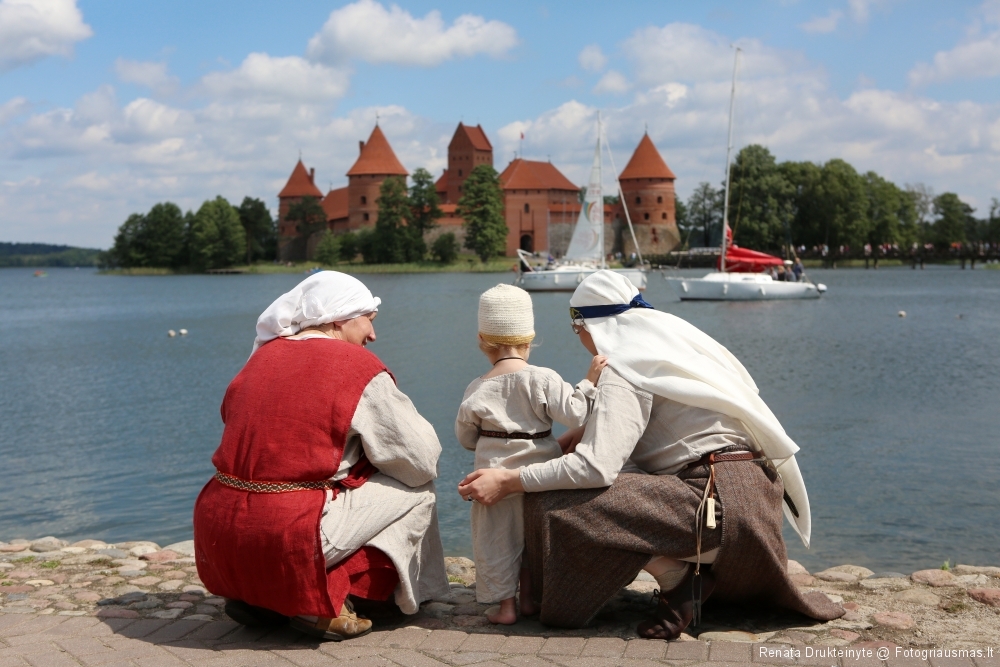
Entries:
{"x":686,"y":52}
{"x":977,"y":57}
{"x":823,"y":24}
{"x":784,"y":103}
{"x":366,"y":30}
{"x":613,"y":83}
{"x":861,"y":9}
{"x":592,"y":59}
{"x":151,"y":75}
{"x":13,"y":108}
{"x":34,"y":29}
{"x":291,"y":78}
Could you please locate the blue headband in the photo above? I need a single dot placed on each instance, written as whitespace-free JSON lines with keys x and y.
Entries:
{"x":587,"y":312}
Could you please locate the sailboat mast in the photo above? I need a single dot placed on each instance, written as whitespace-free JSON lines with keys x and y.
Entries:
{"x":600,"y":179}
{"x":624,"y":204}
{"x":729,"y":150}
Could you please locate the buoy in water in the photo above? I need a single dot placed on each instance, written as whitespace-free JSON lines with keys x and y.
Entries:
{"x":902,"y":313}
{"x":183,"y":332}
{"x":171,"y":333}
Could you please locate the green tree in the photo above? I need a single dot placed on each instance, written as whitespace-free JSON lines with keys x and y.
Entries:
{"x":922,"y":197}
{"x":993,"y":225}
{"x":155,"y":239}
{"x":348,"y":246}
{"x":309,"y":218}
{"x":424,"y":209}
{"x":217,"y":237}
{"x":891,"y":212}
{"x":393,"y":242}
{"x":261,"y":232}
{"x":681,"y":218}
{"x":952,"y":218}
{"x":328,"y":249}
{"x":482,"y":207}
{"x":367,"y":245}
{"x":829,"y":204}
{"x":445,"y":248}
{"x":704,"y":216}
{"x":760,"y":202}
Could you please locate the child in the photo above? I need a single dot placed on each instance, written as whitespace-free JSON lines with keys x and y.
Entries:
{"x":506,"y":417}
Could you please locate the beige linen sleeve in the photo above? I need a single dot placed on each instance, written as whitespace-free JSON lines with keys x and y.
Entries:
{"x":396,"y":439}
{"x":619,"y":419}
{"x":568,"y":405}
{"x":467,"y":422}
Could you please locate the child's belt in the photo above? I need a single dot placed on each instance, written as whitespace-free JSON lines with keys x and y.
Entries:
{"x":517,"y":435}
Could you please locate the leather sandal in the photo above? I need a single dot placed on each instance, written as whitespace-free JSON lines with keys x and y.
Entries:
{"x":346,"y":626}
{"x":675,"y":609}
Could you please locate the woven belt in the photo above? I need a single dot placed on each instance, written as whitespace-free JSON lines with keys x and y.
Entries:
{"x":515,"y":436}
{"x":274,"y":487}
{"x":725,"y":457}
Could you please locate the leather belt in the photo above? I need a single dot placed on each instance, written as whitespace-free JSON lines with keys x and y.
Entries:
{"x":726,"y":457}
{"x":517,"y":435}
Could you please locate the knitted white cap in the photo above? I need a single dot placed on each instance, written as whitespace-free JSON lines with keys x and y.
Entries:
{"x":505,"y":316}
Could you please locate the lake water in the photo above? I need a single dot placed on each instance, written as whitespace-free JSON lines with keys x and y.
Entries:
{"x":108,"y":425}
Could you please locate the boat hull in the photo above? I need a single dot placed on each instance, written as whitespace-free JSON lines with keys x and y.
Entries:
{"x":565,"y":279}
{"x":742,"y":287}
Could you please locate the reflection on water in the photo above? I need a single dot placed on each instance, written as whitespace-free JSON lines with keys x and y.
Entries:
{"x":109,"y":425}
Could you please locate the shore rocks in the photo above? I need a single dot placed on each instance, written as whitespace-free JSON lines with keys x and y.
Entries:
{"x":974,"y":569}
{"x":896,"y":620}
{"x":936,"y":578}
{"x":988,"y":596}
{"x":47,"y":544}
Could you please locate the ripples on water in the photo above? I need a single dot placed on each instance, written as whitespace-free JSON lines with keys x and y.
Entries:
{"x":109,"y":425}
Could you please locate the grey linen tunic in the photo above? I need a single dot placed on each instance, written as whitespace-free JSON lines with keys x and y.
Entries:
{"x":526,"y":401}
{"x":632,"y":430}
{"x":394,"y":511}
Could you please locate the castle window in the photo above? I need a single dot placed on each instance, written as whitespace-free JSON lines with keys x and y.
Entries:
{"x":663,"y":216}
{"x":659,"y":200}
{"x":364,"y":200}
{"x":527,"y":209}
{"x":366,"y":217}
{"x":645,"y":216}
{"x":459,"y":172}
{"x":638,"y":200}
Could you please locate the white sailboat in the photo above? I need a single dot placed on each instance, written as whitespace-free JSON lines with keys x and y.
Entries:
{"x":585,"y":254}
{"x":740,"y":285}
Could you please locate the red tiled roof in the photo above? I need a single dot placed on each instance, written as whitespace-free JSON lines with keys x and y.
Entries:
{"x":335,"y":204}
{"x":377,"y":158}
{"x":646,"y":162}
{"x":441,"y":184}
{"x":300,"y":184}
{"x":531,"y":175}
{"x":476,"y":135}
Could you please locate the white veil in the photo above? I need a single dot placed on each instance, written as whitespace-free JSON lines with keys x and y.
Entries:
{"x":670,"y":357}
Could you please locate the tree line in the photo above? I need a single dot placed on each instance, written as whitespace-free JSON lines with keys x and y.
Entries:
{"x":220,"y":235}
{"x":828,"y":209}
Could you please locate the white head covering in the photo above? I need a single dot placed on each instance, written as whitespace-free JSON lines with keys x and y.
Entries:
{"x":324,"y":297}
{"x":505,"y":316}
{"x":670,"y":357}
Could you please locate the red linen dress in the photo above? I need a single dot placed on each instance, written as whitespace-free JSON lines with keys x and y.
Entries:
{"x":287,"y":416}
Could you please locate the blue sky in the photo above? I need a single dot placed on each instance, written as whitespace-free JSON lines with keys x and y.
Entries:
{"x":108,"y":107}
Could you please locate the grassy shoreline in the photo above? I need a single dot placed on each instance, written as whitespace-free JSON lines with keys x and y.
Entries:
{"x":463,"y":265}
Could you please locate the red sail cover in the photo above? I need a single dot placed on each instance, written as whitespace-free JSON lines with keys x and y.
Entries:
{"x":743,"y":260}
{"x":287,"y":415}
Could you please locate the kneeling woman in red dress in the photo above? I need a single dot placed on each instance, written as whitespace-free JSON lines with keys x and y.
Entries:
{"x":324,"y":485}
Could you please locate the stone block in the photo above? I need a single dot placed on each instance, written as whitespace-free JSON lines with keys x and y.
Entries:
{"x":936,"y":578}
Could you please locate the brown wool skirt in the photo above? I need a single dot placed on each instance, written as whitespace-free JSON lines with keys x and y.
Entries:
{"x":583,"y":546}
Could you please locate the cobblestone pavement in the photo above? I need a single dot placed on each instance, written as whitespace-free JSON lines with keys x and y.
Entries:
{"x":136,"y":603}
{"x":60,"y":641}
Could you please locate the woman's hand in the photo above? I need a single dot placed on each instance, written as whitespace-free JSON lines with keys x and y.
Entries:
{"x":490,"y":485}
{"x":570,"y":439}
{"x":596,"y":366}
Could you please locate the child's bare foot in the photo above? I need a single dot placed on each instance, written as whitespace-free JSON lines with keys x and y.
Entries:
{"x":507,"y":614}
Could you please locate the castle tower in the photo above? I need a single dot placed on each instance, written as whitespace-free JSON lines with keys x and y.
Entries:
{"x":376,"y":162}
{"x":300,"y":184}
{"x":648,"y":188}
{"x":539,"y":202}
{"x":468,"y":149}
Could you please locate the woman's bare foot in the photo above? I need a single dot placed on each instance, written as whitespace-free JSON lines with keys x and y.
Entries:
{"x":507,"y":614}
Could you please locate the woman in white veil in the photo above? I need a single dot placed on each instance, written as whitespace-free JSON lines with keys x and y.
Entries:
{"x":682,"y":470}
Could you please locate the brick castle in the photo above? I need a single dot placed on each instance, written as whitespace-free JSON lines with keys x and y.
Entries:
{"x":541,"y":205}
